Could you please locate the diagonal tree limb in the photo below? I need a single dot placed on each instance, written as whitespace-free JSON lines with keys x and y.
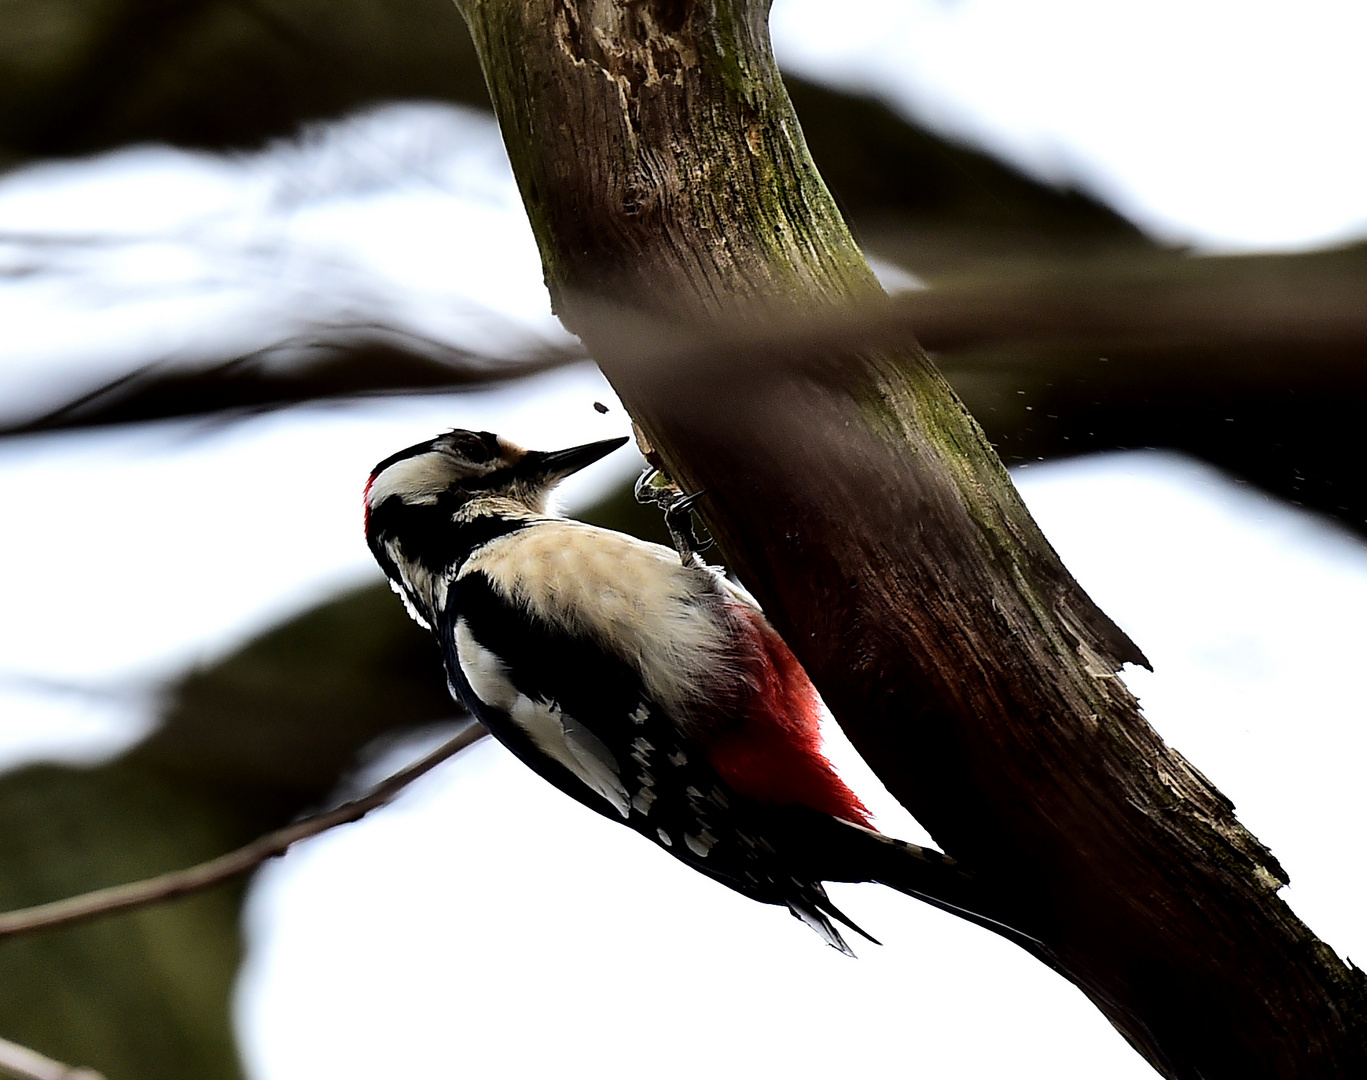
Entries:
{"x":177,"y":883}
{"x":25,"y":1064}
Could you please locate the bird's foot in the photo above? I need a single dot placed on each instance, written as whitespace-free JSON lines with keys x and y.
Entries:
{"x":654,"y":488}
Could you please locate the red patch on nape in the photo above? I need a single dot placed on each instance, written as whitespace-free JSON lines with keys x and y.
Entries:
{"x":769,"y":748}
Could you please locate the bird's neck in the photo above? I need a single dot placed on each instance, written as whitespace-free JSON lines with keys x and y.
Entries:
{"x":511,"y":507}
{"x":438,"y":540}
{"x":481,"y":521}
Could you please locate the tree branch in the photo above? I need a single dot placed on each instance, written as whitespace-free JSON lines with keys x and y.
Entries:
{"x":168,"y":886}
{"x":329,"y":361}
{"x":26,"y":1064}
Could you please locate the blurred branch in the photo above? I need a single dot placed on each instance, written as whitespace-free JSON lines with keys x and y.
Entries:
{"x":1154,"y":302}
{"x":1253,"y":363}
{"x":216,"y":73}
{"x":1151,"y":303}
{"x":1206,"y":314}
{"x":26,"y":1064}
{"x":342,"y":361}
{"x":181,"y":882}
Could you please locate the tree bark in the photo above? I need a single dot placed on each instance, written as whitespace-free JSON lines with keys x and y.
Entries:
{"x":668,"y":185}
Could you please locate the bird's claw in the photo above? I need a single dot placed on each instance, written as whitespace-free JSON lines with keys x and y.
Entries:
{"x":653,"y":488}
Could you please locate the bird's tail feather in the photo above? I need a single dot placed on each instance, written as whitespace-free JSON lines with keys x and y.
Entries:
{"x":815,"y":909}
{"x":937,"y":880}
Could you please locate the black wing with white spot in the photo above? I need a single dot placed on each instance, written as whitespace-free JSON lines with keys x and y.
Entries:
{"x":579,"y":717}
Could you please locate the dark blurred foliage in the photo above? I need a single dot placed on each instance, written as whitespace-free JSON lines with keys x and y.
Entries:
{"x":244,"y":747}
{"x":83,"y":75}
{"x":143,"y":994}
{"x":1052,"y":315}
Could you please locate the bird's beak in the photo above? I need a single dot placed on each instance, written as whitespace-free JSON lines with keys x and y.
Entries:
{"x":558,"y":464}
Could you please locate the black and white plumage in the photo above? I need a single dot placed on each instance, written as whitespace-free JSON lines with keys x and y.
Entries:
{"x":651,"y":690}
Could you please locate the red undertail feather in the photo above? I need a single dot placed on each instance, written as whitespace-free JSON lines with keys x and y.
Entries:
{"x":771,"y":747}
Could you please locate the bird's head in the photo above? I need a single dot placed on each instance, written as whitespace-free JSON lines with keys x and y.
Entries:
{"x":461,"y":467}
{"x":423,"y":501}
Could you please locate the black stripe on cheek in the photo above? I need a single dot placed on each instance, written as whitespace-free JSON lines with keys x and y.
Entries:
{"x":427,"y":534}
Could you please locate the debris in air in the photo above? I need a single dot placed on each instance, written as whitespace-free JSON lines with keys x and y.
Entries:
{"x":600,"y":406}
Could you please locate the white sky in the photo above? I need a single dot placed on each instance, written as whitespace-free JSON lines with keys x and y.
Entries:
{"x":412,"y":944}
{"x":1226,"y":124}
{"x":192,"y":537}
{"x":406,"y":214}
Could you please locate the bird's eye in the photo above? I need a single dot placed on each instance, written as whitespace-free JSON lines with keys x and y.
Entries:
{"x":470,"y":446}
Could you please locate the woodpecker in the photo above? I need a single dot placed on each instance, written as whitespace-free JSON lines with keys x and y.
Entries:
{"x":646,"y":686}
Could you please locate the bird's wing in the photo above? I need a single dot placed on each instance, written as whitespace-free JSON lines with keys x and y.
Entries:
{"x":520,"y":684}
{"x":698,"y":649}
{"x":579,"y":715}
{"x":666,"y":622}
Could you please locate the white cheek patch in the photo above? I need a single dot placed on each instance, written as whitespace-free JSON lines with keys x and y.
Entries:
{"x":417,"y":479}
{"x":555,"y":734}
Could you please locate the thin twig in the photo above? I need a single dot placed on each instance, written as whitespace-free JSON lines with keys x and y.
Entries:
{"x":179,"y":882}
{"x":26,"y":1064}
